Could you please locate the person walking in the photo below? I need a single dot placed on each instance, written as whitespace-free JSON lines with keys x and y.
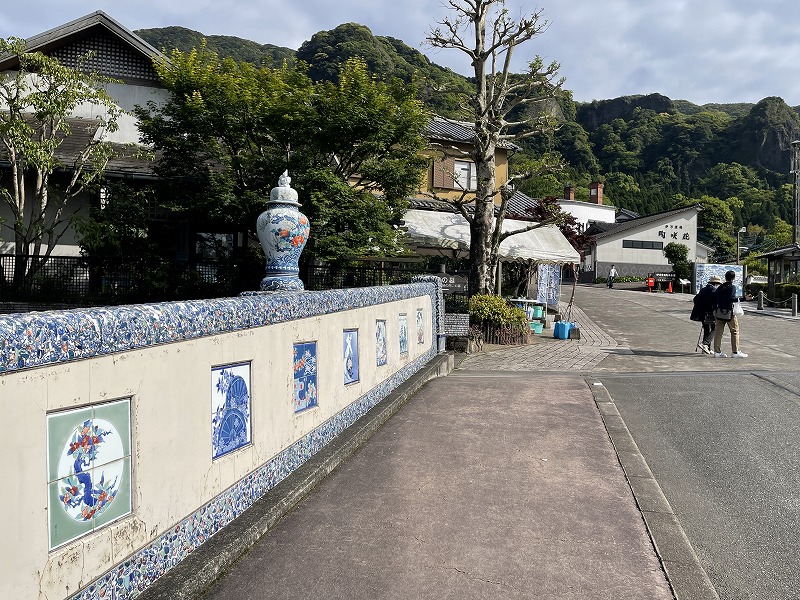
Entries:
{"x":724,"y":297}
{"x":611,"y":274}
{"x":703,"y":311}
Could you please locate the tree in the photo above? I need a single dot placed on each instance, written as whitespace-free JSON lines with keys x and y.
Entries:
{"x":678,"y":256}
{"x":36,"y":103}
{"x":715,"y":221}
{"x":353,"y":148}
{"x":497,"y":93}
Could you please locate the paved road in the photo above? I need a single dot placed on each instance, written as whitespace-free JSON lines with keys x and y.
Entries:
{"x":721,"y":436}
{"x":450,"y":499}
{"x":724,"y":449}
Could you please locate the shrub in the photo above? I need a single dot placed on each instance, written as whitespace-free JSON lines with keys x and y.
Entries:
{"x":784,"y":291}
{"x":486,"y":308}
{"x":625,"y":279}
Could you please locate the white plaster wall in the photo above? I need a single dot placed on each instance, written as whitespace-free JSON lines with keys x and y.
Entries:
{"x":170,"y":390}
{"x":586,"y":211}
{"x":609,"y":249}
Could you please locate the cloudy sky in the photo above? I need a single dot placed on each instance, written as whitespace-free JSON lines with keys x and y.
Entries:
{"x":697,"y":50}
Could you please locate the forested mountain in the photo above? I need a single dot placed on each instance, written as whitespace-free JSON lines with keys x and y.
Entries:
{"x":167,"y":38}
{"x":652,"y":152}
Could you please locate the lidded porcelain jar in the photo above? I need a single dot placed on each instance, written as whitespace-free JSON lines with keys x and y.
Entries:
{"x":283,"y":232}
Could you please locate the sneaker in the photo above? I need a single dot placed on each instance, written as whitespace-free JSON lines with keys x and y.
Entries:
{"x":739,"y":355}
{"x":706,"y":349}
{"x":720,"y":355}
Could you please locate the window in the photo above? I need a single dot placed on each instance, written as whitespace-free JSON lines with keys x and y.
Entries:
{"x":642,"y":245}
{"x":464,"y":175}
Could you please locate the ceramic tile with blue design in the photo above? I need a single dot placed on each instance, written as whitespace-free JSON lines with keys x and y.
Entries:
{"x":380,"y":342}
{"x":127,"y":579}
{"x":402,"y":329}
{"x":420,"y":326}
{"x":230,"y":408}
{"x":350,"y":355}
{"x":305,"y":375}
{"x":703,"y":272}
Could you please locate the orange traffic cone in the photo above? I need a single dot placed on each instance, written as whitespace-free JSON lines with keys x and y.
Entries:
{"x":669,"y":287}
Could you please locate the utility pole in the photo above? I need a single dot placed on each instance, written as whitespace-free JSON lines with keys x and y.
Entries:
{"x":796,"y":171}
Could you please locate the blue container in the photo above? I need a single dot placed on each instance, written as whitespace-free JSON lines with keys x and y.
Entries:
{"x":561,"y":329}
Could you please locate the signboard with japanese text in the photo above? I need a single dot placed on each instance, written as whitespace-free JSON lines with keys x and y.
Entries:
{"x":453,"y":284}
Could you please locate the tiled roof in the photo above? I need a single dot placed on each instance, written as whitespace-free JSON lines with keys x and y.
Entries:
{"x":519,"y":205}
{"x":124,"y":162}
{"x":613,"y":228}
{"x":790,"y":249}
{"x":518,"y":201}
{"x":120,"y":53}
{"x":441,"y":128}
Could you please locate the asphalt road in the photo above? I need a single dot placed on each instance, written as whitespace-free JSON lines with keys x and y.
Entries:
{"x":721,"y":436}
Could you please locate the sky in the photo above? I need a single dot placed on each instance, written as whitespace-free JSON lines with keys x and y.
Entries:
{"x":703,"y":51}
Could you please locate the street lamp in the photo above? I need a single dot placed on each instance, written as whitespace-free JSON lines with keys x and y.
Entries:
{"x":738,"y":233}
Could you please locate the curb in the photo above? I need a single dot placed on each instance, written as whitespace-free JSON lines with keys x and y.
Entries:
{"x":198,"y":571}
{"x":682,"y":568}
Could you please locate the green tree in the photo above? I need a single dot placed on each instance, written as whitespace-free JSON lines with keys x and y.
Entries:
{"x":497,"y":94}
{"x":781,"y":233}
{"x":229,"y":129}
{"x":38,"y":99}
{"x":714,"y":222}
{"x":678,"y":257}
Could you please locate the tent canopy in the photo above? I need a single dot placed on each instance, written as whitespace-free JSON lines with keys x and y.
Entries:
{"x":432,"y":229}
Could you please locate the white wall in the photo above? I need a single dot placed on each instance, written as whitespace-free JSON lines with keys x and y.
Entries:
{"x":169,"y":387}
{"x":672,"y":229}
{"x":587,"y":211}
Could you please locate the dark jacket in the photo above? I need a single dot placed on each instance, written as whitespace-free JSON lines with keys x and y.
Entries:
{"x":725,"y":296}
{"x":703,"y":303}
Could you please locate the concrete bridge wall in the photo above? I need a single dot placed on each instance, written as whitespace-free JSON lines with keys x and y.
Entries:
{"x":133,"y":434}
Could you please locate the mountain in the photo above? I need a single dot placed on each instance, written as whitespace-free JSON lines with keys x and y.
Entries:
{"x":592,"y":115}
{"x":649,"y":149}
{"x":763,"y":137}
{"x":168,"y":38}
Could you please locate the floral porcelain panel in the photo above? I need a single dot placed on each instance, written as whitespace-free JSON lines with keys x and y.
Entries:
{"x":402,"y":332}
{"x":89,"y":469}
{"x":380,"y":343}
{"x":420,"y":326}
{"x":305,"y":376}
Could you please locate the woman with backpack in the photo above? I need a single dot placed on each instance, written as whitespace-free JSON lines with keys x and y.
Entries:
{"x":724,"y":297}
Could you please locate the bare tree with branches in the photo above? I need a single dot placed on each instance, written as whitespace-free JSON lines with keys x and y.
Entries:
{"x":484,"y":31}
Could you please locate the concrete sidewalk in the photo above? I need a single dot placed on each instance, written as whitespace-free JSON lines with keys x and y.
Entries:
{"x":485,"y":485}
{"x":497,"y":481}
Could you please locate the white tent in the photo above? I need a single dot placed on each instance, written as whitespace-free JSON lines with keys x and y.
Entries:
{"x":433,"y":229}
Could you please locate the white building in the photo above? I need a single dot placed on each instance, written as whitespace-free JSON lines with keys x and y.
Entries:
{"x":590,"y":212}
{"x":118,"y":54}
{"x":636,"y":247}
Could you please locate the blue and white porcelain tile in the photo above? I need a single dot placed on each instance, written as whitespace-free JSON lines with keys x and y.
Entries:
{"x":350,"y":355}
{"x":30,"y":340}
{"x":402,"y":333}
{"x":381,"y":343}
{"x":305,"y":375}
{"x":230,"y":408}
{"x":129,"y":579}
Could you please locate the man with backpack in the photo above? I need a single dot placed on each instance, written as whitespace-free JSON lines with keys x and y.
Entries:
{"x":703,"y":311}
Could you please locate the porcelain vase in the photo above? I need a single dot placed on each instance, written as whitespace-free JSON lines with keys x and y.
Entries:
{"x":283,"y":232}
